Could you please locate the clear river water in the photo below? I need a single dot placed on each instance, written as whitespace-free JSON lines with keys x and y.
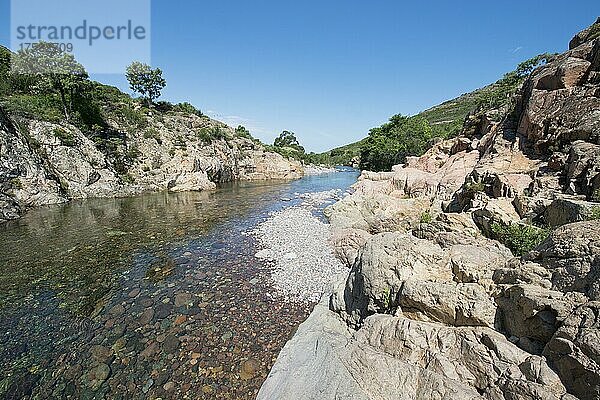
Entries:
{"x":155,"y":296}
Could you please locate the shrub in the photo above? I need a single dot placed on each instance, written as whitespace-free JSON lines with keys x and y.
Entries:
{"x":187,"y":108}
{"x":65,"y":137}
{"x":133,"y":153}
{"x":594,"y":214}
{"x":16,"y":183}
{"x":392,"y":142}
{"x":474,"y":187}
{"x":128,"y":178}
{"x":241,"y":131}
{"x":134,"y":118}
{"x":42,"y":107}
{"x":152,"y":133}
{"x":208,"y":135}
{"x":426,"y":218}
{"x":519,"y":238}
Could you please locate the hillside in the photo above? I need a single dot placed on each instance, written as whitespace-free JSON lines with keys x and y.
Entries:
{"x":104,"y":143}
{"x":444,"y":120}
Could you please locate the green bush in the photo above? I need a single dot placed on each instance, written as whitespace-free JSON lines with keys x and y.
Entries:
{"x":519,"y":238}
{"x":128,"y":179}
{"x":594,"y":214}
{"x":16,"y":183}
{"x":241,"y":131}
{"x":65,"y":137}
{"x":42,"y":107}
{"x":187,"y":108}
{"x":208,"y":135}
{"x":474,"y":187}
{"x":426,"y":218}
{"x":133,"y":153}
{"x":152,"y":133}
{"x":392,"y":142}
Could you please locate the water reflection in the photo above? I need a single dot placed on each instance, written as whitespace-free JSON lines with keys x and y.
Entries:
{"x":146,"y":297}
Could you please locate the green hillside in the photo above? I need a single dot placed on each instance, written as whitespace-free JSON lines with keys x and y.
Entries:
{"x":404,"y":136}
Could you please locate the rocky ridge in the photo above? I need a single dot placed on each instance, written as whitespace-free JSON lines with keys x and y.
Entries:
{"x":48,"y":163}
{"x":433,"y":306}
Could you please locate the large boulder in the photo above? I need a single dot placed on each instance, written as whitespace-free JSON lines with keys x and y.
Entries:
{"x":565,"y":211}
{"x":533,"y":314}
{"x":495,"y":211}
{"x":316,"y":374}
{"x":378,"y":213}
{"x":396,"y":358}
{"x":572,"y":254}
{"x":585,"y":35}
{"x":574,"y":351}
{"x":442,"y":183}
{"x":583,"y":168}
{"x":476,"y":263}
{"x":385,"y":263}
{"x":191,"y":181}
{"x":458,"y":362}
{"x":347,"y":244}
{"x":464,"y":304}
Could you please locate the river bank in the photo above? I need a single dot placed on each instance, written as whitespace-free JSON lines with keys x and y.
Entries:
{"x":473,"y":269}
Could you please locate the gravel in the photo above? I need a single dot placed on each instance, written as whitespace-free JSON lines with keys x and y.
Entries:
{"x":296,"y":243}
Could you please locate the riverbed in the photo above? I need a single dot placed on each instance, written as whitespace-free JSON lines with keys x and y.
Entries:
{"x":154,"y":296}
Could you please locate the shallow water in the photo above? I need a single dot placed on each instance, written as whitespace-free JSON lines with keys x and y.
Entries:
{"x":155,"y":296}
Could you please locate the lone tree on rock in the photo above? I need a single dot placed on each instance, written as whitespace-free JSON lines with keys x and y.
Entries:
{"x":146,"y":81}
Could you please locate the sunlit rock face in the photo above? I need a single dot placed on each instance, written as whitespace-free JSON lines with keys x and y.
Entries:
{"x":45,"y":163}
{"x":433,"y":306}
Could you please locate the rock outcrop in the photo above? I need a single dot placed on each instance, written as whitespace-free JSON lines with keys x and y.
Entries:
{"x":46,"y":163}
{"x":433,"y":306}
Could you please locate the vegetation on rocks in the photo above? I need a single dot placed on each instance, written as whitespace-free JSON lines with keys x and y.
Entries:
{"x":519,"y":238}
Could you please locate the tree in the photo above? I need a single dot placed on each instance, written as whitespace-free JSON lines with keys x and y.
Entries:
{"x":241,"y":131}
{"x":392,"y":142}
{"x":52,"y":69}
{"x":288,"y":139}
{"x":526,"y":67}
{"x":4,"y":70}
{"x":146,"y":81}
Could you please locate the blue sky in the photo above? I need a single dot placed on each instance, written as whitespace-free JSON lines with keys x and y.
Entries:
{"x":331,"y":70}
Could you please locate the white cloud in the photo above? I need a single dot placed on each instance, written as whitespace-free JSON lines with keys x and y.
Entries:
{"x":516,"y":49}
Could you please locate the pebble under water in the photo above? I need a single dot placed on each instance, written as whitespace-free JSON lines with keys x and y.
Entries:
{"x":155,"y":296}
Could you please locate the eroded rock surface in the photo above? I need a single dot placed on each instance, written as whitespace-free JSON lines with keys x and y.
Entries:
{"x":433,"y":307}
{"x":45,"y":163}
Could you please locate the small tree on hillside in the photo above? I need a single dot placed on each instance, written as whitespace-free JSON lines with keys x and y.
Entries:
{"x":146,"y":81}
{"x":50,"y":69}
{"x":526,"y":67}
{"x":288,"y":139}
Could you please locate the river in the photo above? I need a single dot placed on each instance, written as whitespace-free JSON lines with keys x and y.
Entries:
{"x":154,"y":296}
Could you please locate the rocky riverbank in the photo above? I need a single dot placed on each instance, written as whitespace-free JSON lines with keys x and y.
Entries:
{"x":49,"y":163}
{"x":445,"y":297}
